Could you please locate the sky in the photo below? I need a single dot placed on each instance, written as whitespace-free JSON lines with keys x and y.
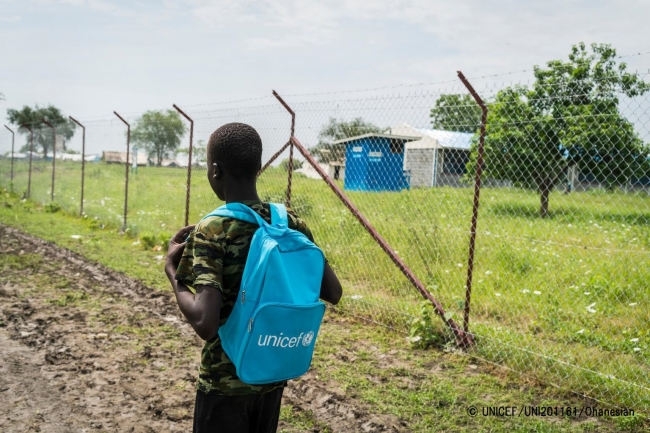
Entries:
{"x":90,"y":57}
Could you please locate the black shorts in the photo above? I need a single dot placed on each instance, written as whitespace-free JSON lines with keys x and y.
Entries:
{"x":255,"y":413}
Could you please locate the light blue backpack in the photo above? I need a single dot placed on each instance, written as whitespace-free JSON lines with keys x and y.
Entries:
{"x":271,"y":332}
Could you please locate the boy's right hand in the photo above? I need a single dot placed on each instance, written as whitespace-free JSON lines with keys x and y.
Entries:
{"x":176,"y":247}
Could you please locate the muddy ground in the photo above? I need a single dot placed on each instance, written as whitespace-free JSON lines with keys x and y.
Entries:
{"x":85,"y":349}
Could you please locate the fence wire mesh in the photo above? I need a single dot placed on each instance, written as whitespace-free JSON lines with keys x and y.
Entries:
{"x":560,"y":275}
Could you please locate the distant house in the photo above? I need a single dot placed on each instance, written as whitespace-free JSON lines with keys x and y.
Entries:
{"x":24,"y":155}
{"x":310,"y":171}
{"x":172,"y":163}
{"x":436,"y":157}
{"x":112,"y":157}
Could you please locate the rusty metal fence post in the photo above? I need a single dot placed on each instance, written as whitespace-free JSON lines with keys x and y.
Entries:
{"x":53,"y":156}
{"x":31,"y":151}
{"x":273,"y":158}
{"x":83,"y":161}
{"x":290,"y":166}
{"x":477,"y":193}
{"x":11,"y":179}
{"x":459,"y":334}
{"x":126,"y":176}
{"x":189,"y":165}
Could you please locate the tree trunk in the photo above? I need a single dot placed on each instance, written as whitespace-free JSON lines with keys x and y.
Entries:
{"x":544,"y":193}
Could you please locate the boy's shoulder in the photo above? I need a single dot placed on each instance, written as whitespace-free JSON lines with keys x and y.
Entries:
{"x":213,"y":227}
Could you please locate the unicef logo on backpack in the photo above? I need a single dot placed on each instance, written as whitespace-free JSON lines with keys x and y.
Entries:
{"x":285,"y":341}
{"x":307,"y":339}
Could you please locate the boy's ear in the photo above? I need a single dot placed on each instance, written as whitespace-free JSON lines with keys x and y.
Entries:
{"x":217,"y":171}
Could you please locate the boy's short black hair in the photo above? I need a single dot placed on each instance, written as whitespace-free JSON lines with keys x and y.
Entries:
{"x":237,"y":148}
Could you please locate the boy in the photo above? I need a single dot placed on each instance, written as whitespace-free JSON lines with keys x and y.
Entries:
{"x":212,"y":261}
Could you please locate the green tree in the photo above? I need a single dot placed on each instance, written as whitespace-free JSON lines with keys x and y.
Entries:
{"x":568,"y":117}
{"x":297,"y":164}
{"x":199,"y":152}
{"x":454,"y":112}
{"x":326,"y":150}
{"x":159,"y":133}
{"x":43,"y":135}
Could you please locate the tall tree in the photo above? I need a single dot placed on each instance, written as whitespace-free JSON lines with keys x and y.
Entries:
{"x":334,"y":130}
{"x":454,"y":112}
{"x":568,"y":117}
{"x":159,"y":133}
{"x":43,"y":135}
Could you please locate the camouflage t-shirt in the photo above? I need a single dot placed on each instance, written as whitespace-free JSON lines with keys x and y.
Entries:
{"x":214,"y":256}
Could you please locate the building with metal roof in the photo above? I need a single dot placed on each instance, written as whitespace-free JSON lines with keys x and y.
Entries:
{"x":436,"y":157}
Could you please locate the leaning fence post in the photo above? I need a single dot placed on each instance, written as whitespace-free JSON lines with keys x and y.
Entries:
{"x":290,"y":168}
{"x":477,"y":193}
{"x":83,"y":162}
{"x":11,"y":179}
{"x":273,"y":158}
{"x":31,"y":151}
{"x":53,"y":156}
{"x":126,"y":176}
{"x":189,"y":166}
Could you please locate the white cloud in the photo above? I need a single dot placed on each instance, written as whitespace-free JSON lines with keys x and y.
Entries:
{"x":11,"y":19}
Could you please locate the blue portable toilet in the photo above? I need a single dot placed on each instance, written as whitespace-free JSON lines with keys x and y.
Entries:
{"x":375,"y":162}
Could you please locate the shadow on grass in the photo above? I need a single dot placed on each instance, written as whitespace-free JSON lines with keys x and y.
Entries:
{"x":568,"y":214}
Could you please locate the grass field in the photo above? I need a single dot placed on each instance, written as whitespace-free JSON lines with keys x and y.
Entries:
{"x":563,"y":299}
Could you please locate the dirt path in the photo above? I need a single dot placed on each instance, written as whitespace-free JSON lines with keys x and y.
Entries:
{"x":84,"y":348}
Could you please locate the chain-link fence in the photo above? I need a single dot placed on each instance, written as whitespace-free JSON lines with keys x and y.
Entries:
{"x":558,"y":274}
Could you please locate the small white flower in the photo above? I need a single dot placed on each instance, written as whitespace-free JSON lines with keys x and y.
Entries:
{"x":525,"y":291}
{"x":582,"y":331}
{"x":637,"y":349}
{"x":634,"y":340}
{"x":498,"y":294}
{"x":163,"y":225}
{"x":75,"y":236}
{"x":537,"y":292}
{"x":488,"y":272}
{"x":632,"y":304}
{"x":355,"y":297}
{"x":415,"y":339}
{"x":587,"y":293}
{"x":460,"y":265}
{"x":136,"y":242}
{"x":590,"y":305}
{"x":160,"y":257}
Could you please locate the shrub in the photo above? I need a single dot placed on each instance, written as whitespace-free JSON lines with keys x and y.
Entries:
{"x":148,"y":240}
{"x":52,"y":207}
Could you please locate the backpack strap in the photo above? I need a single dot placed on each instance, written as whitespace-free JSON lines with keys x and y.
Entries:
{"x":239,"y":211}
{"x":279,"y":216}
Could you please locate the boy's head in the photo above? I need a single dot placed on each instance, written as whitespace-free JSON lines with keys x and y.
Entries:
{"x":234,"y":155}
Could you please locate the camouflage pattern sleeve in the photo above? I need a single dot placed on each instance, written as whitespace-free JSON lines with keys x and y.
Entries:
{"x":202,"y":260}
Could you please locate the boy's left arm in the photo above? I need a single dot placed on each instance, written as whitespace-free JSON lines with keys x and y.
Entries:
{"x":201,"y":309}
